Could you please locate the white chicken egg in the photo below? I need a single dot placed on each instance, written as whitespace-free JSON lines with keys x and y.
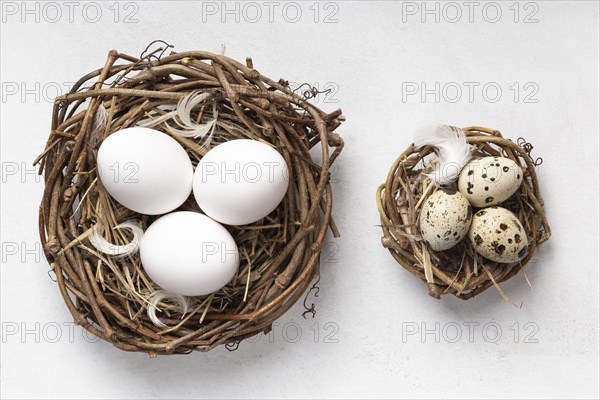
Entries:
{"x":145,"y":170}
{"x":497,"y":234}
{"x":240,"y":181}
{"x":445,"y":219}
{"x":489,"y":181}
{"x":188,"y":253}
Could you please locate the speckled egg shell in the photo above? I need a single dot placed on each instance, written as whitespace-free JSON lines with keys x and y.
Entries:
{"x":445,"y":219}
{"x":497,"y":234}
{"x":488,"y":181}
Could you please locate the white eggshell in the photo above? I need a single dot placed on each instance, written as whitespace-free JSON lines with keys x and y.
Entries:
{"x":240,"y":181}
{"x":445,"y":219}
{"x":145,"y":170}
{"x":188,"y":253}
{"x":489,"y":181}
{"x":497,"y":234}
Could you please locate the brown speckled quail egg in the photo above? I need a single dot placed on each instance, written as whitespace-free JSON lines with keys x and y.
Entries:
{"x":497,"y":234}
{"x":488,"y":181}
{"x":445,"y":219}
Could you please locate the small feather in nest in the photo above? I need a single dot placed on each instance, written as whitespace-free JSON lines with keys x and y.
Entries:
{"x":98,"y":127}
{"x":104,"y":246}
{"x":187,"y":127}
{"x":180,"y":302}
{"x":451,"y":149}
{"x":183,"y":119}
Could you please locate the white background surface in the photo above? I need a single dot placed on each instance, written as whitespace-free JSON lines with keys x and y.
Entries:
{"x":367,"y":302}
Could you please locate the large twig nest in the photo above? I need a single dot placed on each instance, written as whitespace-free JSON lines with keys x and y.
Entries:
{"x":279,"y":255}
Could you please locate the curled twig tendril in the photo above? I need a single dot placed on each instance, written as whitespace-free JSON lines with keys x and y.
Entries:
{"x":152,"y":53}
{"x":51,"y":271}
{"x":311,"y":309}
{"x":528,"y":147}
{"x":310,"y":92}
{"x":233,"y":346}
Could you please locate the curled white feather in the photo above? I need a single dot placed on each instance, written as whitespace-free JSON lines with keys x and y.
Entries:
{"x":180,"y":302}
{"x":185,"y":125}
{"x":184,"y":120}
{"x":104,"y":246}
{"x":451,"y":149}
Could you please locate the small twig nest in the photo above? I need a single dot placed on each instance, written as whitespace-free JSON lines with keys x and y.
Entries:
{"x":279,"y":255}
{"x":460,"y":270}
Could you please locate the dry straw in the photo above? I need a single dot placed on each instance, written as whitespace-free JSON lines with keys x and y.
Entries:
{"x":279,"y":255}
{"x":459,"y":271}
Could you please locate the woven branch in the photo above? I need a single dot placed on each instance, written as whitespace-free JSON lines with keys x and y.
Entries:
{"x":459,"y":271}
{"x":279,"y":255}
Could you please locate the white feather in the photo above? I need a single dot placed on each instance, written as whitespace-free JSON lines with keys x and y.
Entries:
{"x":180,"y":302}
{"x":182,"y":118}
{"x":104,"y":246}
{"x":451,"y":149}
